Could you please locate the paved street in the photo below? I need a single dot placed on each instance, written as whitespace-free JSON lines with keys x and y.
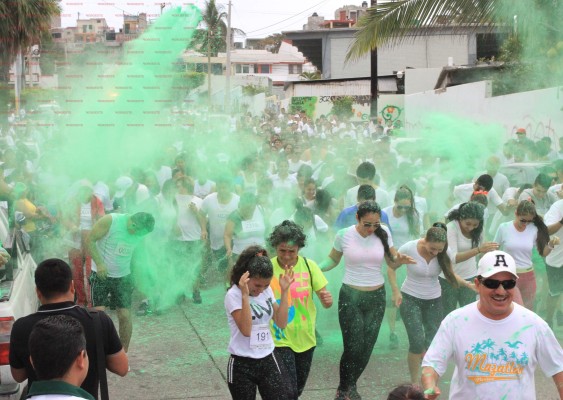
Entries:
{"x":182,"y":355}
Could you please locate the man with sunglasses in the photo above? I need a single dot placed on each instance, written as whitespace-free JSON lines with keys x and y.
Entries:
{"x":495,"y":343}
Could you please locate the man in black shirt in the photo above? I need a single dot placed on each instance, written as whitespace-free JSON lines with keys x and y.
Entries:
{"x":55,"y":290}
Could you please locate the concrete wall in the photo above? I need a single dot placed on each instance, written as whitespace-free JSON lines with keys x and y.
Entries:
{"x":539,"y":111}
{"x":422,"y":52}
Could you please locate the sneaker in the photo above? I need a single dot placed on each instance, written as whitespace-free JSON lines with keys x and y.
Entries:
{"x":353,"y":394}
{"x":197,"y":297}
{"x":144,"y":309}
{"x":341,"y":395}
{"x":393,"y":341}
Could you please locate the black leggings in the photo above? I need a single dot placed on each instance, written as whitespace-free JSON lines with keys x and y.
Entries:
{"x":422,"y":319}
{"x":298,"y":366}
{"x":268,"y":374}
{"x":360,"y":315}
{"x":451,"y":296}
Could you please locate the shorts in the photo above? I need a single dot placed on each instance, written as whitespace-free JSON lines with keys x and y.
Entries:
{"x":554,"y":280}
{"x":220,"y":259}
{"x":119,"y":289}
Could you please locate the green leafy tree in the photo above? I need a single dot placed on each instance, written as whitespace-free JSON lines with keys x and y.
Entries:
{"x":310,"y":76}
{"x":535,"y":24}
{"x":212,"y":38}
{"x":342,"y":107}
{"x":273,"y":42}
{"x":23,"y":24}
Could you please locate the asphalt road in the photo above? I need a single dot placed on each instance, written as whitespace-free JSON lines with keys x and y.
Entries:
{"x":181,"y":354}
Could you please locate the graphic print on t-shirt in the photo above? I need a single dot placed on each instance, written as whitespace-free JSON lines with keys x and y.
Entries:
{"x":259,"y":310}
{"x":490,"y":361}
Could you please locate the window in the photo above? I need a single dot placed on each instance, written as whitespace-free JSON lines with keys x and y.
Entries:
{"x":89,"y":27}
{"x":262,"y":68}
{"x":295,"y":68}
{"x":56,"y":35}
{"x":242,"y":69}
{"x":84,"y":27}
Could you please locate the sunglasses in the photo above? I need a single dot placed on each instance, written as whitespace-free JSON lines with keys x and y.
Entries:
{"x":494,"y":284}
{"x":368,"y":225}
{"x":526,"y":221}
{"x":403,"y":208}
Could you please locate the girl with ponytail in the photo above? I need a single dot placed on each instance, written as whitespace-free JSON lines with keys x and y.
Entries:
{"x":419,"y":299}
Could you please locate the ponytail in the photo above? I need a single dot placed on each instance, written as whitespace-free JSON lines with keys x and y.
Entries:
{"x":438,"y":233}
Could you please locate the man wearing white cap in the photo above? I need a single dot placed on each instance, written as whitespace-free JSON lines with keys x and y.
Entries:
{"x":495,"y":343}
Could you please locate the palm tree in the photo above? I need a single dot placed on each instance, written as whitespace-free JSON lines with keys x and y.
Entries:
{"x":23,"y":23}
{"x":390,"y":22}
{"x":310,"y":76}
{"x":214,"y":37}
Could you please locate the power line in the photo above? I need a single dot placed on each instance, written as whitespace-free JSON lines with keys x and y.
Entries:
{"x":284,"y":20}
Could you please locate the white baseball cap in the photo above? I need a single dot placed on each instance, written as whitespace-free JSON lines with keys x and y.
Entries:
{"x":494,"y":262}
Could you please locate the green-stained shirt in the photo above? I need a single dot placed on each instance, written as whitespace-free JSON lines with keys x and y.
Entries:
{"x":299,"y":334}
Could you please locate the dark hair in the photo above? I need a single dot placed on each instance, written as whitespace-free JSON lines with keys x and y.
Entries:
{"x":323,"y":200}
{"x":255,"y":260}
{"x":486,"y":181}
{"x":366,"y":192}
{"x":54,"y":344}
{"x":304,"y":215}
{"x":365,"y":170}
{"x":368,"y":207}
{"x":143,"y":220}
{"x":470,"y":210}
{"x":305,"y":170}
{"x":406,"y":392}
{"x":53,"y":277}
{"x":543,"y":180}
{"x":528,"y":207}
{"x":413,"y":218}
{"x":480,"y":198}
{"x":439,"y":233}
{"x":287,"y":232}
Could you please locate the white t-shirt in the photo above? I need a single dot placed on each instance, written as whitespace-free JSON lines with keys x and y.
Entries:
{"x":86,"y":216}
{"x":554,"y":189}
{"x":422,"y":278}
{"x":400,"y":227}
{"x":555,"y":213}
{"x":494,"y":359}
{"x":500,"y":181}
{"x":458,"y":243}
{"x":518,"y":244}
{"x":289,"y":183}
{"x":190,"y":229}
{"x":363,"y":256}
{"x":217,"y":214}
{"x":463,"y":193}
{"x":203,"y":189}
{"x":381,"y":197}
{"x":101,"y":190}
{"x":543,"y":204}
{"x":260,"y":343}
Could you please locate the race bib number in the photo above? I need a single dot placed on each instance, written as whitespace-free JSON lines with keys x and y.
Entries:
{"x":260,"y":337}
{"x":251,"y":226}
{"x":124,"y":249}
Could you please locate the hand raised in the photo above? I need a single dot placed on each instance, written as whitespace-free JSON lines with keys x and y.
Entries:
{"x":287,"y":278}
{"x":243,"y":283}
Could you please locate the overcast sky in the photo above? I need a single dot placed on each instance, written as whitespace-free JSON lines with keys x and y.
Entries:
{"x":258,"y":18}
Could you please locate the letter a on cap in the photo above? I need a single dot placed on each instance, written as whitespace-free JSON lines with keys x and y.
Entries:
{"x":500,"y":259}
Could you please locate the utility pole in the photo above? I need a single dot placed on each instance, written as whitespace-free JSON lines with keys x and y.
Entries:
{"x":228,"y":64}
{"x":374,"y":79}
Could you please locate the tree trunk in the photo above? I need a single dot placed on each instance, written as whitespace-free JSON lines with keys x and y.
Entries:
{"x":208,"y":71}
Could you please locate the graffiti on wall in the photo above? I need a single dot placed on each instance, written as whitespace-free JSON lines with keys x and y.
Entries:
{"x":391,"y":113}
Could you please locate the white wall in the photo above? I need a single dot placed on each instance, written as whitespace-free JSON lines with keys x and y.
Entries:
{"x":339,"y":69}
{"x":539,"y":111}
{"x":421,"y":79}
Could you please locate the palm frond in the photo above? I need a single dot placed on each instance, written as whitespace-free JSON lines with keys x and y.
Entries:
{"x":392,"y":22}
